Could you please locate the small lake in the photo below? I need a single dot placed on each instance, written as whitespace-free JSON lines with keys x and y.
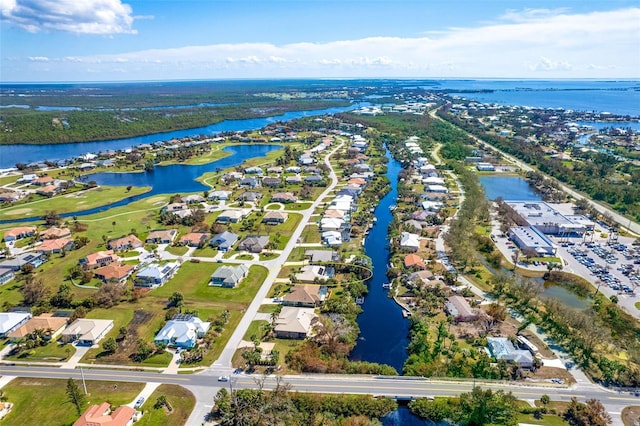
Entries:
{"x":172,"y":179}
{"x":511,"y":188}
{"x":565,"y":297}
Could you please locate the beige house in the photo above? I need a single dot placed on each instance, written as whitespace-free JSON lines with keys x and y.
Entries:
{"x":306,"y":296}
{"x":295,"y":323}
{"x":274,"y":217}
{"x":52,"y":325}
{"x":86,"y":331}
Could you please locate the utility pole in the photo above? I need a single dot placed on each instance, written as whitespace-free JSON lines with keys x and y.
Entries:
{"x":84,"y":384}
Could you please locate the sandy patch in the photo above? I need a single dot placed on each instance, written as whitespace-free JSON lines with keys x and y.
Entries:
{"x":17,"y":212}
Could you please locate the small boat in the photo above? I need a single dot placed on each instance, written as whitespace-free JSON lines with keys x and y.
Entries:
{"x":406,"y":314}
{"x":360,"y":300}
{"x":392,"y":207}
{"x":386,"y":285}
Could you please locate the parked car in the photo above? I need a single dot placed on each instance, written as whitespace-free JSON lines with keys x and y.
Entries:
{"x":139,"y":402}
{"x":223,"y":378}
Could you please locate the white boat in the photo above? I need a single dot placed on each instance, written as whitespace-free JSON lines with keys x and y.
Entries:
{"x":386,"y":285}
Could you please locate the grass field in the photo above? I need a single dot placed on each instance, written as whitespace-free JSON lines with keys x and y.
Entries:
{"x":177,"y":250}
{"x":43,"y":401}
{"x":52,"y":352}
{"x":181,"y":400}
{"x":80,"y":200}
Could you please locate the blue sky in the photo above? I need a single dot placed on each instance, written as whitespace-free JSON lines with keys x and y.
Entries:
{"x":108,"y":40}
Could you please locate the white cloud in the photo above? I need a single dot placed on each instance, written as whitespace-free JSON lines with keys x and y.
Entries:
{"x":38,"y":58}
{"x":531,"y":43}
{"x":75,"y":16}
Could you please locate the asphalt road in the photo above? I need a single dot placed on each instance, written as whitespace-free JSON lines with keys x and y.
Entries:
{"x":401,"y":387}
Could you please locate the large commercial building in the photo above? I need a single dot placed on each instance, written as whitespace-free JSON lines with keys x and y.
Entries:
{"x":548,"y":220}
{"x":529,"y":238}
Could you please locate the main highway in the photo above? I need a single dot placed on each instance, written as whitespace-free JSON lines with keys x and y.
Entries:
{"x":391,"y":386}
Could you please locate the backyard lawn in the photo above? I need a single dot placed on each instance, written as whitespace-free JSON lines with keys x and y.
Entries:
{"x":181,"y":400}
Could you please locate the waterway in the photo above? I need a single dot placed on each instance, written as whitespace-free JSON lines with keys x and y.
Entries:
{"x":12,"y":154}
{"x":171,"y":179}
{"x":384,"y":332}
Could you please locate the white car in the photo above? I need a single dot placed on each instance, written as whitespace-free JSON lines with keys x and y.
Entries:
{"x":223,"y":378}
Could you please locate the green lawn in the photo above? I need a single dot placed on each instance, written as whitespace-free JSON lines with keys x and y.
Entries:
{"x":39,"y":399}
{"x":177,"y":250}
{"x":546,"y":420}
{"x":297,"y":206}
{"x":52,"y":352}
{"x":255,"y":329}
{"x":181,"y":400}
{"x":80,"y":200}
{"x":311,"y":234}
{"x":206,"y":251}
{"x":267,"y":309}
{"x":637,"y":305}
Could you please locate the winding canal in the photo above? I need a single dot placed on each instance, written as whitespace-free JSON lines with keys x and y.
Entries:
{"x":384,"y":333}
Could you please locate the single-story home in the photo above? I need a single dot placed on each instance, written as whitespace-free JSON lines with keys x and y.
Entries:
{"x":102,"y":415}
{"x":54,"y":233}
{"x":161,"y":236}
{"x":86,"y":332}
{"x":414,"y":261}
{"x":331,"y":224}
{"x":98,"y":259}
{"x":11,"y":321}
{"x":306,"y":296}
{"x":502,"y":348}
{"x":219,"y":195}
{"x":228,"y":276}
{"x":318,"y":256}
{"x":182,"y":331}
{"x":295,"y":323}
{"x":19,"y":232}
{"x":249,"y":182}
{"x":194,"y":239}
{"x":155,"y":275}
{"x":254,"y":243}
{"x":125,"y":243}
{"x":29,"y":258}
{"x":52,"y":326}
{"x":231,"y":216}
{"x":6,"y":275}
{"x":224,"y":241}
{"x":274,"y":217}
{"x":114,"y":273}
{"x":55,"y":246}
{"x":193,"y":199}
{"x":293,"y":180}
{"x":409,"y":241}
{"x":284,"y":197}
{"x":313,"y":273}
{"x":250,"y":196}
{"x":273,"y":182}
{"x":460,"y":310}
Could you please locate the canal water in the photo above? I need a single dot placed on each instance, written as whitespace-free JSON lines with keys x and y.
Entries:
{"x":10,"y":155}
{"x":384,"y":332}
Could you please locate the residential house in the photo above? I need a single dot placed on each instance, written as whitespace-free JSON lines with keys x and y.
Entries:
{"x":313,"y":179}
{"x":232,"y":176}
{"x":101,"y":415}
{"x":295,"y":323}
{"x":194,"y":239}
{"x":293,"y":180}
{"x":422,"y":277}
{"x":52,"y":326}
{"x":284,"y":197}
{"x":11,"y":321}
{"x":409,"y":241}
{"x":19,"y":233}
{"x":10,"y":197}
{"x":43,"y":181}
{"x":415,"y":224}
{"x":272,"y":182}
{"x":231,"y":216}
{"x":55,"y":232}
{"x":161,"y":236}
{"x":275,"y":170}
{"x":305,"y":296}
{"x":274,"y":217}
{"x":312,"y":169}
{"x":86,"y":332}
{"x":249,"y":182}
{"x":125,"y":243}
{"x":6,"y":275}
{"x":502,"y":348}
{"x":224,"y":241}
{"x":174,"y":207}
{"x":254,"y":243}
{"x":460,"y":310}
{"x":98,"y":259}
{"x":315,"y":273}
{"x":332,"y":238}
{"x":437,"y":188}
{"x":49,"y":190}
{"x":253,"y":171}
{"x":183,"y":331}
{"x":318,"y":256}
{"x":193,"y":199}
{"x":114,"y":273}
{"x":334,"y":214}
{"x":55,"y":246}
{"x":228,"y":276}
{"x":250,"y":196}
{"x":414,"y":261}
{"x":20,"y":260}
{"x":305,"y":159}
{"x":293,"y":169}
{"x":155,"y":275}
{"x":219,"y":195}
{"x":331,"y":224}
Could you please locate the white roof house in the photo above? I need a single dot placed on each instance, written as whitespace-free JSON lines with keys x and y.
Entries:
{"x":294,"y":323}
{"x":182,"y":331}
{"x":87,"y":331}
{"x":437,"y":188}
{"x":410,"y":241}
{"x":331,"y":224}
{"x":10,"y":321}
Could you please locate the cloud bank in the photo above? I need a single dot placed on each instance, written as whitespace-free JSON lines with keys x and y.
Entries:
{"x":74,"y":16}
{"x":533,"y":43}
